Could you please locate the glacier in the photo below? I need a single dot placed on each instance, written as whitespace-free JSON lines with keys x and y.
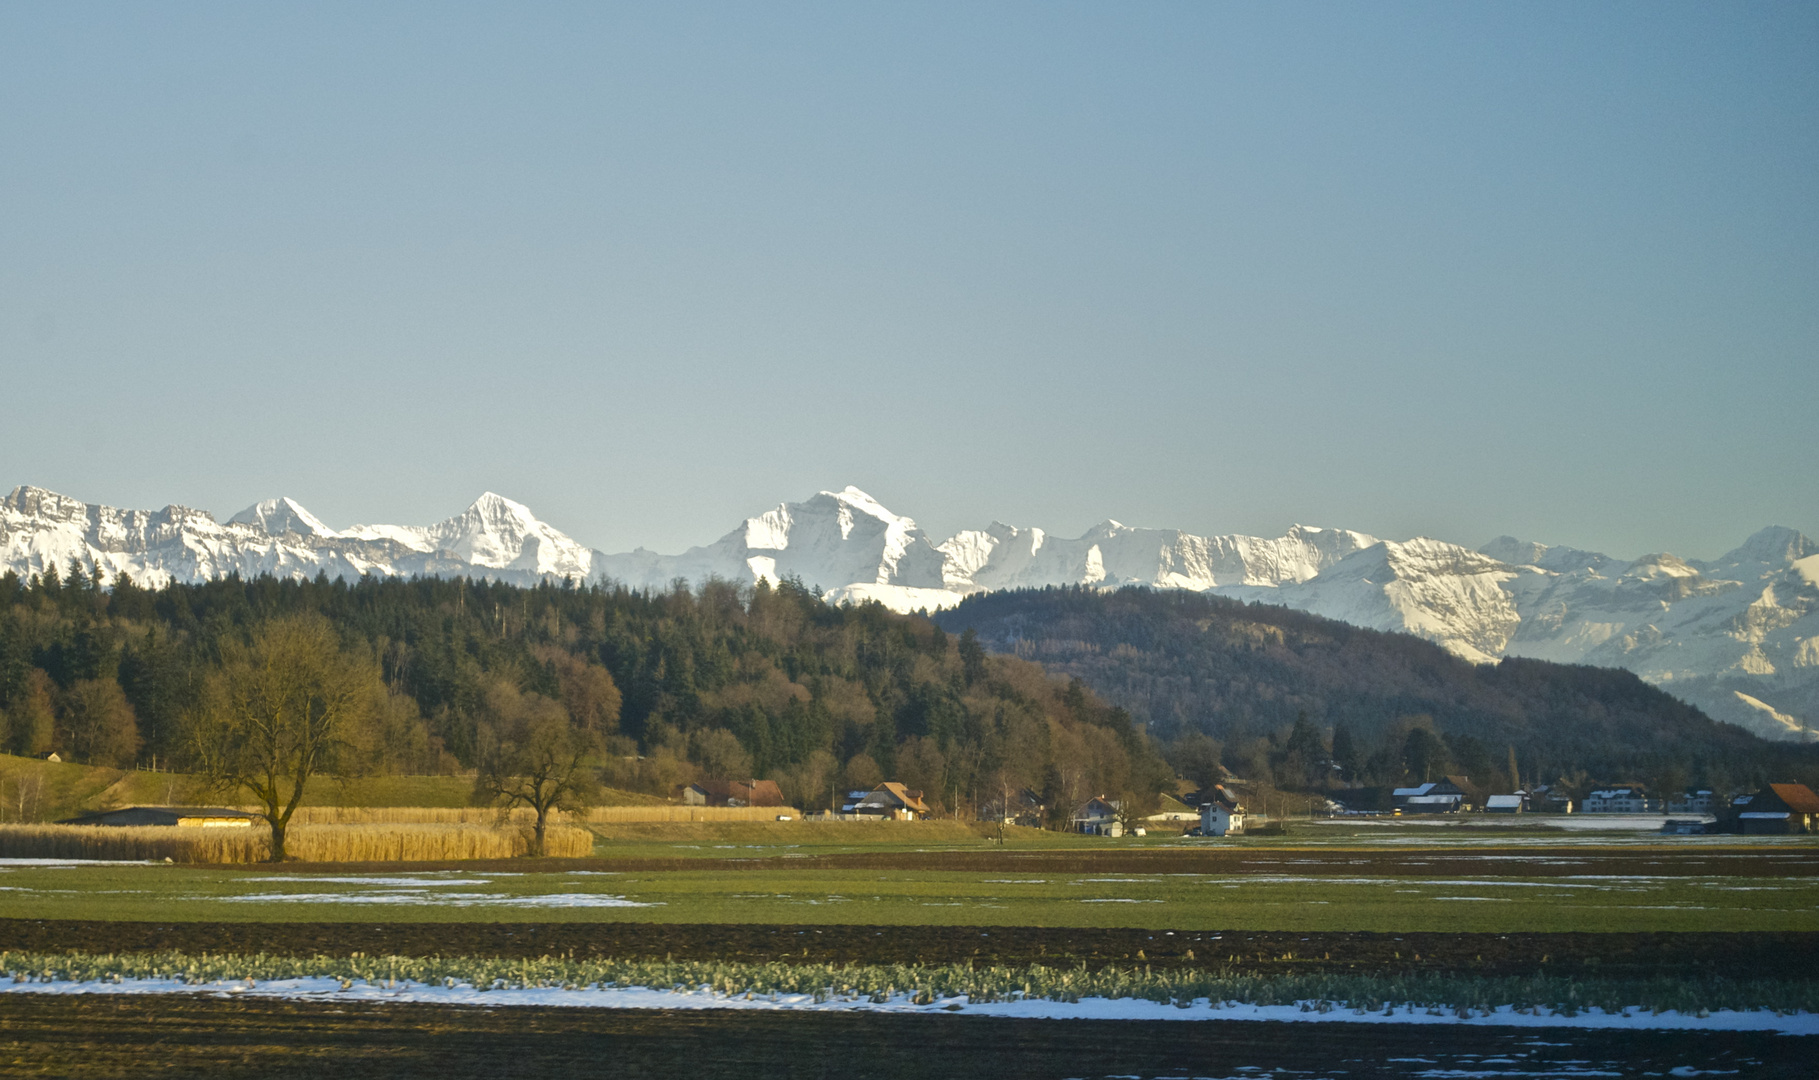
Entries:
{"x":1738,"y":636}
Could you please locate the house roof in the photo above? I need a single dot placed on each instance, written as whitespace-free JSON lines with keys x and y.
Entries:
{"x":1798,"y":797}
{"x":888,"y":795}
{"x":1109,"y":805}
{"x":1405,"y":792}
{"x":751,"y":793}
{"x":171,"y":814}
{"x":1500,"y":801}
{"x":1223,"y":796}
{"x":1627,"y":792}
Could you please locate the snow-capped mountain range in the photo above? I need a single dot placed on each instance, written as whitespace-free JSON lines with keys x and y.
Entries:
{"x":1738,"y":636}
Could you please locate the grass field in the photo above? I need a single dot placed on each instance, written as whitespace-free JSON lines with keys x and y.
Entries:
{"x":767,"y":893}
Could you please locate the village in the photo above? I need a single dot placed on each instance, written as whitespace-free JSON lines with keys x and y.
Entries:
{"x":1774,"y":809}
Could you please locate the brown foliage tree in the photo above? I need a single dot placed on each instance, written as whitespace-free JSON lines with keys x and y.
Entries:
{"x":97,"y":725}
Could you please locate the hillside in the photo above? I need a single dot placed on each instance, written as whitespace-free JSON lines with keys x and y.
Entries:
{"x":1242,"y":674}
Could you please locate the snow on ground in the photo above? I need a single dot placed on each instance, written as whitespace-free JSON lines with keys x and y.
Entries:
{"x":445,"y":899}
{"x":1035,"y":1008}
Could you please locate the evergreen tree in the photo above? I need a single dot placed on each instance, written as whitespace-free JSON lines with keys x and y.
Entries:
{"x":1345,"y":752}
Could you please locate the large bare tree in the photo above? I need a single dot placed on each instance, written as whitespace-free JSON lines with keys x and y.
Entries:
{"x":532,"y":754}
{"x":283,"y":707}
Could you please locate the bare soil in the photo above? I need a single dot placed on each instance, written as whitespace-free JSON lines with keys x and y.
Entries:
{"x":102,"y":1037}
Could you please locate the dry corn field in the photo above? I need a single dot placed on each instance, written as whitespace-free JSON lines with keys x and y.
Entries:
{"x":619,"y":815}
{"x":493,"y":816}
{"x":412,"y":815}
{"x":420,"y":842}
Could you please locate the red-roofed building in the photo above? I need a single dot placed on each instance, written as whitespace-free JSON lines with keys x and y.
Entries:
{"x":888,"y":800}
{"x":1779,"y":808}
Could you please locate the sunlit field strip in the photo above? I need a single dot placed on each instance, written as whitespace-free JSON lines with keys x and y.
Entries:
{"x":1448,"y":902}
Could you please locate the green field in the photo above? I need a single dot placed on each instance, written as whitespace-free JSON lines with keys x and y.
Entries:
{"x":778,"y":894}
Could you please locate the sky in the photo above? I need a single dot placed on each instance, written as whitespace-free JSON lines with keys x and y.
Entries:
{"x":1541,"y":269}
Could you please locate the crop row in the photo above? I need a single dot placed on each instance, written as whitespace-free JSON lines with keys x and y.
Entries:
{"x":1431,"y":992}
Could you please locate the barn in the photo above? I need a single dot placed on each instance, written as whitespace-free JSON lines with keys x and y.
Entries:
{"x":185,"y":817}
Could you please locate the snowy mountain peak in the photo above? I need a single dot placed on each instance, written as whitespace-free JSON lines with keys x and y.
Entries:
{"x":495,"y":506}
{"x":1774,"y":546}
{"x":1558,"y":558}
{"x":39,"y":502}
{"x":275,"y":517}
{"x":497,"y":533}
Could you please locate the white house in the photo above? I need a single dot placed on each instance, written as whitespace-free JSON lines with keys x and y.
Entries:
{"x":1620,"y":800}
{"x":1098,"y":817}
{"x":1221,"y":814}
{"x":1693,"y":801}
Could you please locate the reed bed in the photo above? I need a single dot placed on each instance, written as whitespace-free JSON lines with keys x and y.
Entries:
{"x":420,"y":842}
{"x":481,"y":815}
{"x":1434,"y":994}
{"x":430,"y":842}
{"x":412,"y":815}
{"x":619,"y":815}
{"x":137,"y":843}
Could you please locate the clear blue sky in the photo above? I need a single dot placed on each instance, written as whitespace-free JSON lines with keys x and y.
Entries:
{"x":1549,"y":269}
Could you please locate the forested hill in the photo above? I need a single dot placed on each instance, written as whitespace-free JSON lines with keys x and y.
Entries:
{"x":1242,"y":674}
{"x":723,"y":682}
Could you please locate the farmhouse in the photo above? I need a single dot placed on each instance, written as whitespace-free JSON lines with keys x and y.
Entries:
{"x":889,"y":800}
{"x":1626,"y":799}
{"x":1779,"y":808}
{"x":732,"y":793}
{"x":188,"y":817}
{"x":1503,"y":804}
{"x":1221,"y":814}
{"x":1022,"y":807}
{"x":1435,"y":797}
{"x":1693,"y":801}
{"x":1098,"y":816}
{"x":1543,"y":799}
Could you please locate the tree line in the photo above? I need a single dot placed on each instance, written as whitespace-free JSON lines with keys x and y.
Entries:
{"x":539,"y":692}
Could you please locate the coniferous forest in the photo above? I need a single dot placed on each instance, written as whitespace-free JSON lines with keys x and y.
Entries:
{"x":720,"y":682}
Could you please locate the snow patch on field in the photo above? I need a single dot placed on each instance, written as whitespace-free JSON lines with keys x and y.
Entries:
{"x":392,"y":882}
{"x":428,"y":899}
{"x":1764,"y":1021}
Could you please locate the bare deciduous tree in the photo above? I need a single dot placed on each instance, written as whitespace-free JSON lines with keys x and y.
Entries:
{"x":531,"y":754}
{"x":283,"y":708}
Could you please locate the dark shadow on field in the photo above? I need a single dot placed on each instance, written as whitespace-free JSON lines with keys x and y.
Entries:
{"x":101,"y":1037}
{"x":1747,"y":955}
